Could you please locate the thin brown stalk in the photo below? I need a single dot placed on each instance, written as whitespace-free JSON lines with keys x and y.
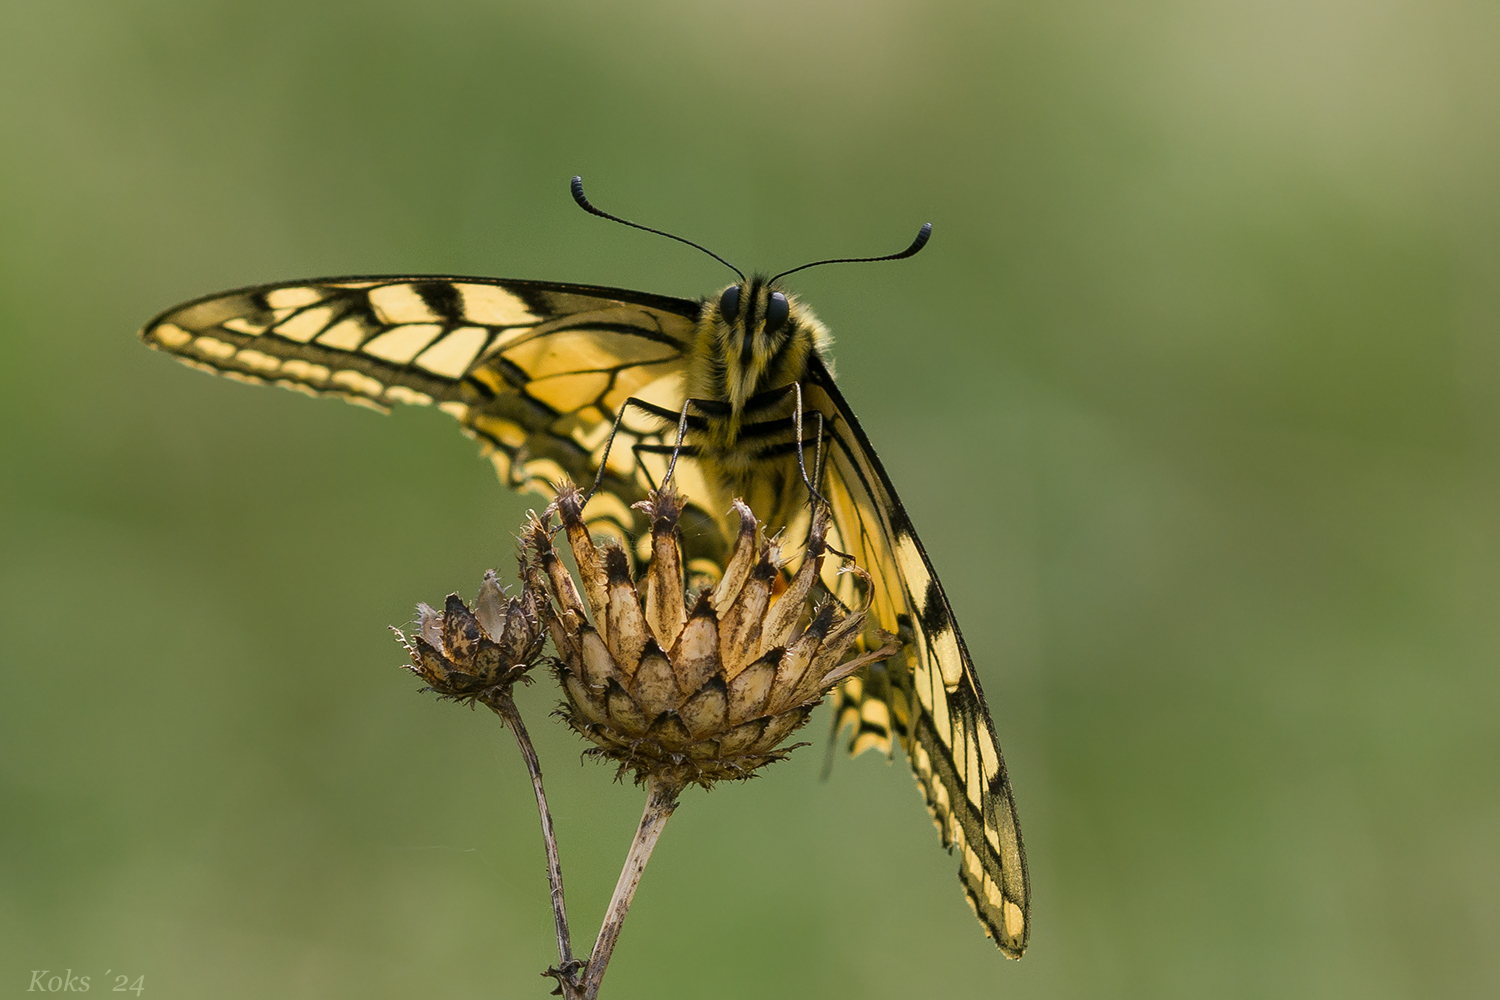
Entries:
{"x":505,"y":707}
{"x":661,"y":800}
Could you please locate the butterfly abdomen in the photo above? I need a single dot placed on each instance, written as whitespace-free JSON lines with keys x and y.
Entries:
{"x":747,"y":351}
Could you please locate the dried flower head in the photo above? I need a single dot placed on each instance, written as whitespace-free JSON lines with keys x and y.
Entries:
{"x":692,"y":687}
{"x":473,"y":654}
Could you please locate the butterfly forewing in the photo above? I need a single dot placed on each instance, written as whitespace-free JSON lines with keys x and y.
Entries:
{"x":534,"y":370}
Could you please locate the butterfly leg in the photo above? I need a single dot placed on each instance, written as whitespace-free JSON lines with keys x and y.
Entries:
{"x":684,"y":421}
{"x":818,"y":467}
{"x":677,"y":447}
{"x":770,"y":398}
{"x":801,"y":466}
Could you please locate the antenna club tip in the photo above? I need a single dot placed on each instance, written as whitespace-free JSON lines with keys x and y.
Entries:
{"x":578,"y":195}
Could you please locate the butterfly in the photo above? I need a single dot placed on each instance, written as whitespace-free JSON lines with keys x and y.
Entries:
{"x":605,"y":385}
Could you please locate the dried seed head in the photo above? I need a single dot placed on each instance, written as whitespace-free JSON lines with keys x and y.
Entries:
{"x":694,"y":687}
{"x":476,"y":653}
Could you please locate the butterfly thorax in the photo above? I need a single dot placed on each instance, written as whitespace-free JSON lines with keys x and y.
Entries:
{"x":751,"y":340}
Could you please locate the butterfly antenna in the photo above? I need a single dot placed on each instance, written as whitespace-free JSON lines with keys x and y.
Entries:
{"x":923,"y":235}
{"x":588,"y":207}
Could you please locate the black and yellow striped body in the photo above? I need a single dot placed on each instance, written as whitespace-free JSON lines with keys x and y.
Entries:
{"x":746,"y":447}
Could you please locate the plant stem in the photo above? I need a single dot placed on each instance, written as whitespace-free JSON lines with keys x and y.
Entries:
{"x":661,"y":800}
{"x":505,"y":707}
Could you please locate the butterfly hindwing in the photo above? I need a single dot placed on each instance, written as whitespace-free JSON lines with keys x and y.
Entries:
{"x":534,"y":370}
{"x":935,"y":705}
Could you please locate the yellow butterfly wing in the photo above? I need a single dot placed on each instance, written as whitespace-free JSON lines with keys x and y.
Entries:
{"x":534,"y":370}
{"x":932,"y":701}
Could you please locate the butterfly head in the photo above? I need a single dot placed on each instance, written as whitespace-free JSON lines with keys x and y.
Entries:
{"x":759,"y":337}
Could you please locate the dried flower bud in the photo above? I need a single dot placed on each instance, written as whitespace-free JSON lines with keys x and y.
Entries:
{"x":693,"y":687}
{"x":473,"y":654}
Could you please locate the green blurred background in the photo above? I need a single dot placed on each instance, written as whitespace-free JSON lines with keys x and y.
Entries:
{"x":1205,"y":346}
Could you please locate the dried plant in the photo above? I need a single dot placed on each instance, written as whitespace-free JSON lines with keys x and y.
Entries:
{"x":677,"y":684}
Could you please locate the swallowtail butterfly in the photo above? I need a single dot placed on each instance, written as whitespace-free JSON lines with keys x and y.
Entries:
{"x":540,"y":371}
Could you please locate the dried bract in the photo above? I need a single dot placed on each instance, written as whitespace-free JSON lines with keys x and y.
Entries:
{"x":694,"y":687}
{"x":475,"y":654}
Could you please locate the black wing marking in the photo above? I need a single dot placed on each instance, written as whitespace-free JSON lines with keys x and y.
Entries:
{"x":535,"y":370}
{"x":933,"y":700}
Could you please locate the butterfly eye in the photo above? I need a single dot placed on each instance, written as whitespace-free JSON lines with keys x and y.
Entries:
{"x":729,"y":303}
{"x":777,"y":311}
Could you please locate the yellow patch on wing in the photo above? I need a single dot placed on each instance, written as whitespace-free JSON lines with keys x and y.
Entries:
{"x":491,"y":305}
{"x":452,"y":355}
{"x":209,"y":347}
{"x":507,"y":432}
{"x":305,"y":325}
{"x":248,"y":379}
{"x":240,"y":324}
{"x":401,"y":394}
{"x":565,"y":393}
{"x":584,"y":350}
{"x":258,"y":360}
{"x":638,"y":381}
{"x":941,"y":720}
{"x":396,"y":304}
{"x":346,"y":335}
{"x":293,"y":297}
{"x":400,"y":344}
{"x":305,"y":370}
{"x":358,"y":381}
{"x":913,"y":567}
{"x":171,"y":336}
